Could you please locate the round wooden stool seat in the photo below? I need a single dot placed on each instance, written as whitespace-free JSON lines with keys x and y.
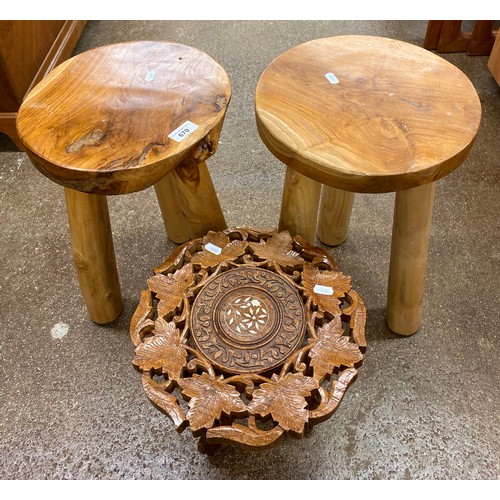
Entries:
{"x":102,"y":122}
{"x":118,"y":119}
{"x":260,"y":332}
{"x":368,"y":115}
{"x":395,"y":117}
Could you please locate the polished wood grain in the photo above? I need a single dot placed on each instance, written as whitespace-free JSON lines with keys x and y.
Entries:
{"x":432,"y":34}
{"x":99,"y":124}
{"x":261,"y":337}
{"x":109,"y":135}
{"x":374,"y":131}
{"x":452,"y":38}
{"x":392,"y":117}
{"x":482,"y":38}
{"x":24,"y":45}
{"x":174,"y":220}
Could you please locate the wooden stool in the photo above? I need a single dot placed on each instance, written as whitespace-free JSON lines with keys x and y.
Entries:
{"x":118,"y":119}
{"x":367,"y":115}
{"x":259,"y":331}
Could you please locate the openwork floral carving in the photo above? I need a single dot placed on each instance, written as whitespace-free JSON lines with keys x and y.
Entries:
{"x":246,"y":335}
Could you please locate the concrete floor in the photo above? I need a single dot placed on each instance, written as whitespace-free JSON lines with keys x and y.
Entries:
{"x":423,"y":407}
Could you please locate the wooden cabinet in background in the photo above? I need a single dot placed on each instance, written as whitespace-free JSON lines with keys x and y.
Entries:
{"x":28,"y":51}
{"x":494,"y":60}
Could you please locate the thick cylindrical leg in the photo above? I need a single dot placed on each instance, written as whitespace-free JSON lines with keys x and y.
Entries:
{"x":174,"y":219}
{"x":94,"y":255}
{"x":189,"y":203}
{"x":410,"y":242}
{"x":334,"y":215}
{"x":299,"y":205}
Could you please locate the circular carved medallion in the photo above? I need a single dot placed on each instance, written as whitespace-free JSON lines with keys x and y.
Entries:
{"x":248,"y":319}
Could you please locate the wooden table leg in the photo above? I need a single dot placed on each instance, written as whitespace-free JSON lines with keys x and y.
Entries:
{"x":432,"y":34}
{"x":189,"y":203}
{"x":93,"y":254}
{"x":334,"y":215}
{"x":299,"y":205}
{"x":410,"y":242}
{"x":482,"y":39}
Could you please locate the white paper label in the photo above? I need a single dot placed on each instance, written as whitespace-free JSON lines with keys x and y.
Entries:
{"x":323,"y":290}
{"x":180,"y":133}
{"x":332,"y":78}
{"x":213,"y":248}
{"x":150,"y":76}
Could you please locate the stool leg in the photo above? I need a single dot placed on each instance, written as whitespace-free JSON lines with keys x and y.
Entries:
{"x":93,"y":254}
{"x":299,"y":205}
{"x":189,"y":203}
{"x":410,"y":242}
{"x":174,"y":219}
{"x":334,"y":215}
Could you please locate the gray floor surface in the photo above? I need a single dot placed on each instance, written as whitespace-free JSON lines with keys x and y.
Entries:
{"x":422,"y":407}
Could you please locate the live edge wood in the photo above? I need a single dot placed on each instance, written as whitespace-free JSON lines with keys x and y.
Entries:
{"x":28,"y":51}
{"x":110,"y":136}
{"x":188,"y":202}
{"x":99,"y":124}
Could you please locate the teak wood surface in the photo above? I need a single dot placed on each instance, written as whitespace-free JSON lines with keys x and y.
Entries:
{"x":399,"y":116}
{"x":99,"y":122}
{"x":371,"y":115}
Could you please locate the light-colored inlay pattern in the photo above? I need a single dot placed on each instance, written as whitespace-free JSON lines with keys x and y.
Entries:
{"x":246,"y":315}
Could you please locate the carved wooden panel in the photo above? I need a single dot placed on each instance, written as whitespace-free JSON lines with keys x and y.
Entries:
{"x":246,"y":335}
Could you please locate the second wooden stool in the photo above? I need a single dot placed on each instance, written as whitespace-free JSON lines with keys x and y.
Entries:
{"x":118,"y":119}
{"x":363,"y":114}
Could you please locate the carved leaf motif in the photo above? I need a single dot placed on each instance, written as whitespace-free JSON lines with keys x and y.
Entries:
{"x":278,"y":249}
{"x":330,"y":401}
{"x":141,"y":321}
{"x":249,"y":437}
{"x":338,"y":282}
{"x":162,"y":351}
{"x":230,"y":250}
{"x":332,"y":349}
{"x":165,"y":401}
{"x":285,"y":400}
{"x":209,"y":398}
{"x":358,"y":319}
{"x":169,"y":289}
{"x":318,"y":254}
{"x":173,"y":260}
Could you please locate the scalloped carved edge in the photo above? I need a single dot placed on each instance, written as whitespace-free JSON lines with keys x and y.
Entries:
{"x":283,"y":258}
{"x":166,"y":403}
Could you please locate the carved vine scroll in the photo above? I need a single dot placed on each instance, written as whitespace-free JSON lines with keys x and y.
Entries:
{"x":246,"y":335}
